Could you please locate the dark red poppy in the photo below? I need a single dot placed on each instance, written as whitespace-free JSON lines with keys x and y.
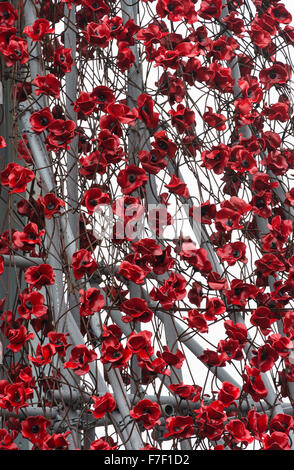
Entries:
{"x":34,"y":428}
{"x":228,"y":393}
{"x":91,"y":301}
{"x":63,"y":60}
{"x":172,"y":290}
{"x":50,"y":205}
{"x":15,"y":51}
{"x":179,"y":427}
{"x":217,"y":158}
{"x":83,"y":263}
{"x":47,"y":85}
{"x":132,"y":272}
{"x":101,"y":444}
{"x":197,"y":320}
{"x":139,"y":344}
{"x":93,"y":198}
{"x":117,"y":355}
{"x":177,"y":186}
{"x":237,"y":429}
{"x":44,"y":354}
{"x":85,"y":104}
{"x":79,"y":360}
{"x":39,"y":276}
{"x":136,"y":309}
{"x":131,"y":178}
{"x":17,"y":337}
{"x":16,"y":177}
{"x":56,"y":442}
{"x":276,"y":441}
{"x":183,"y":119}
{"x":102,"y":405}
{"x":31,"y":303}
{"x":39,"y":28}
{"x":147,"y":412}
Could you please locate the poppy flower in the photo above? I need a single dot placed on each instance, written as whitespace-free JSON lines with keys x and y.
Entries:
{"x":177,"y":186}
{"x":125,"y":56}
{"x":152,"y":161}
{"x":7,"y":440}
{"x":103,"y":96}
{"x":101,"y":444}
{"x":146,"y":112}
{"x":8,"y":14}
{"x":172,"y":359}
{"x":40,"y":120}
{"x":102,"y":405}
{"x":183,"y":119}
{"x":172,"y":290}
{"x":216,"y":120}
{"x":56,"y":442}
{"x":62,"y":59}
{"x":34,"y":428}
{"x":131,"y":178}
{"x":91,"y":301}
{"x":209,"y":10}
{"x":237,"y":429}
{"x":139,"y":344}
{"x":257,"y":423}
{"x":217,"y":158}
{"x":79,"y":360}
{"x":83,"y":263}
{"x":132,"y":272}
{"x":281,"y":423}
{"x":50,"y":205}
{"x":136,"y":309}
{"x":179,"y":427}
{"x":278,"y":73}
{"x":37,"y":31}
{"x":16,"y":177}
{"x":44,"y":355}
{"x":58,"y":341}
{"x":276,"y":112}
{"x":146,"y":412}
{"x":117,"y":355}
{"x":31,"y":303}
{"x":47,"y":85}
{"x":276,"y":441}
{"x":233,"y":252}
{"x":17,"y":337}
{"x":93,"y":198}
{"x":197,"y":320}
{"x":28,"y":238}
{"x":85,"y":104}
{"x":39,"y":276}
{"x":228,"y":393}
{"x":15,"y":51}
{"x":98,"y":34}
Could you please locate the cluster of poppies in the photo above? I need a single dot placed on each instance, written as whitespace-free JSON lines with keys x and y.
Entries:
{"x":248,"y":169}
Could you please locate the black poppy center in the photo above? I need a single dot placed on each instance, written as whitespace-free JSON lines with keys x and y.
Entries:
{"x":116,"y":355}
{"x":132,"y":178}
{"x":260,"y":204}
{"x":236,"y":253}
{"x":50,"y":206}
{"x":35,"y":429}
{"x":272,"y":75}
{"x":245,"y":163}
{"x":93,"y":202}
{"x":163,"y":145}
{"x":29,"y":305}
